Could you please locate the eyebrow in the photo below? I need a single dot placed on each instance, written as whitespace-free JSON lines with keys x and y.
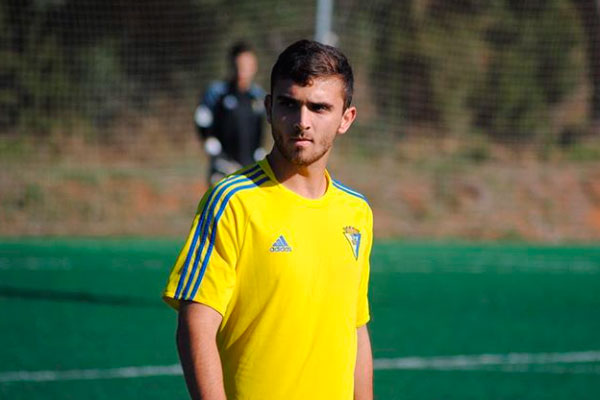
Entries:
{"x":284,"y":97}
{"x":325,"y":105}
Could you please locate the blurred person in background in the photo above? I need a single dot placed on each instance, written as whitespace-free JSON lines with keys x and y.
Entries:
{"x":230,"y":117}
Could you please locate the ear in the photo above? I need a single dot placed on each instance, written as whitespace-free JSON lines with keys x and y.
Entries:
{"x":348,"y":117}
{"x":268,"y":102}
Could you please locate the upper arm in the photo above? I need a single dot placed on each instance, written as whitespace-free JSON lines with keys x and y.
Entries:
{"x":363,"y":314}
{"x":205,"y":112}
{"x":198,"y":317}
{"x":213,"y":93}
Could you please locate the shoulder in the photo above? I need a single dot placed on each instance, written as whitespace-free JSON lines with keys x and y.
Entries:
{"x":349,"y":192}
{"x":217,"y":87}
{"x":256,"y":91}
{"x":353,"y":203}
{"x":214,"y":91}
{"x":227,"y":192}
{"x":352,"y":197}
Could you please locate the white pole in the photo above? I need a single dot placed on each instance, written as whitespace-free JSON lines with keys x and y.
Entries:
{"x":323,"y":19}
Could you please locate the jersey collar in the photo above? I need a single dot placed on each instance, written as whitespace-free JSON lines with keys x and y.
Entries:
{"x":266,"y":167}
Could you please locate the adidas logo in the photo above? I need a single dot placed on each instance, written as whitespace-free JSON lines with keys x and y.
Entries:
{"x":280,"y":246}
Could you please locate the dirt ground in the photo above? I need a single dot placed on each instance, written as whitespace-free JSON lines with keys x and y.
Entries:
{"x":146,"y":186}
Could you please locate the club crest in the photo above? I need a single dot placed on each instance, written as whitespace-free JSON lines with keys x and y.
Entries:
{"x":353,"y":236}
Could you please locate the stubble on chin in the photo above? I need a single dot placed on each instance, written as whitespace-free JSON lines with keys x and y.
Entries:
{"x":301,"y":158}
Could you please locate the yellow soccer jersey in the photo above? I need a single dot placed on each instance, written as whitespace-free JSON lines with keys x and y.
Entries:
{"x":290,"y":277}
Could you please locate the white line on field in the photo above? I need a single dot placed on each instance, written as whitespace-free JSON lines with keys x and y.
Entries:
{"x":79,"y":374}
{"x":511,"y":362}
{"x":483,"y":360}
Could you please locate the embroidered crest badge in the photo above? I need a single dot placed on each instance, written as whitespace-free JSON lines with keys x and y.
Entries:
{"x":353,"y":236}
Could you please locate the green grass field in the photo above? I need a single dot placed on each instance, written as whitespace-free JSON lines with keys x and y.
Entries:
{"x":82,"y":310}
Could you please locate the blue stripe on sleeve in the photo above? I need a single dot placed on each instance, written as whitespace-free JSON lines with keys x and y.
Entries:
{"x":214,"y":229}
{"x":196,"y":252}
{"x":216,"y":192}
{"x":191,"y":251}
{"x":207,"y":221}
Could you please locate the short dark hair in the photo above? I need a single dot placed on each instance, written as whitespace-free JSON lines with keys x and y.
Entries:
{"x":307,"y":59}
{"x":238,"y":48}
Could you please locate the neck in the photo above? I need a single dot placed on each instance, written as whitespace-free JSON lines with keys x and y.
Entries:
{"x":241,"y":86}
{"x":308,"y":181}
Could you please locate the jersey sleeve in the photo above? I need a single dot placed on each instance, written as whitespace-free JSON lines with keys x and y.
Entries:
{"x":205,"y":270}
{"x":362,"y":315}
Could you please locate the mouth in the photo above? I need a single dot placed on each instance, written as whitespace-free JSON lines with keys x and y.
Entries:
{"x":300,"y":139}
{"x":301,"y":143}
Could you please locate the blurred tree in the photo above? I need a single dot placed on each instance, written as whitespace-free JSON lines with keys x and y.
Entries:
{"x":589,"y":11}
{"x":401,"y":67}
{"x":34,"y":79}
{"x":531,"y":68}
{"x":494,"y":66}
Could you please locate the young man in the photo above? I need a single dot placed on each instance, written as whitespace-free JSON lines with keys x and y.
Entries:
{"x":230,"y":116}
{"x":271,"y":285}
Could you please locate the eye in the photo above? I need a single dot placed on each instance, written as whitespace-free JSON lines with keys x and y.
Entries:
{"x":320,"y":107}
{"x":287,"y":103}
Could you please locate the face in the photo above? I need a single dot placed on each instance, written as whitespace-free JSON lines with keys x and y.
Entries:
{"x":305,"y":120}
{"x":245,"y":66}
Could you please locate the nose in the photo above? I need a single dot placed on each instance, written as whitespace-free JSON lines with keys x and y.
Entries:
{"x":303,"y":123}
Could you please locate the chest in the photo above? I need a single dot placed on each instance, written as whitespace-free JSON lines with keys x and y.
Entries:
{"x":239,"y":105}
{"x":308,"y":252}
